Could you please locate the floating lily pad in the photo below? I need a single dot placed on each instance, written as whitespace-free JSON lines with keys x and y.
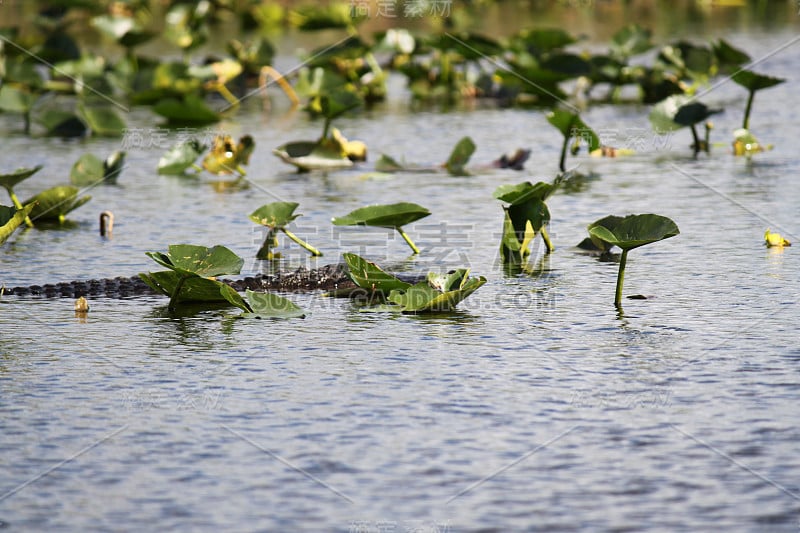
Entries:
{"x":310,"y":155}
{"x":269,"y":305}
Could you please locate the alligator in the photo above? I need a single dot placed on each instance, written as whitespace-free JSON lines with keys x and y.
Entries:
{"x":327,"y":278}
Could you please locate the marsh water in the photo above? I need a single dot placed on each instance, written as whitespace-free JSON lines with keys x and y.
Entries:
{"x":536,"y":406}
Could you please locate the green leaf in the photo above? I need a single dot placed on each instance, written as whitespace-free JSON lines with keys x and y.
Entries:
{"x":10,"y":180}
{"x":460,"y":156}
{"x":571,"y":126}
{"x":193,"y":289}
{"x":16,"y":100}
{"x":422,"y":297}
{"x":633,"y":231}
{"x":190,"y":109}
{"x":384,"y":216}
{"x":270,"y":305}
{"x":338,"y":102}
{"x":275,"y":215}
{"x":87,"y":170}
{"x":55,"y":203}
{"x":113,"y":165}
{"x":103,"y":119}
{"x":387,"y":164}
{"x":311,"y":155}
{"x":10,"y":219}
{"x":189,"y":259}
{"x":545,"y":39}
{"x":662,"y":116}
{"x":609,"y":222}
{"x":694,"y":112}
{"x":755,"y":82}
{"x":729,"y":56}
{"x":61,"y":123}
{"x":180,"y":157}
{"x":368,"y":275}
{"x":630,"y":41}
{"x":523,"y":192}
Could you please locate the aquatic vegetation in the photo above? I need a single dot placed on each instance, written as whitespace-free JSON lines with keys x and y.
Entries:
{"x":459,"y":157}
{"x":572,"y":127}
{"x":437,"y":293}
{"x":753,"y":82}
{"x":191,"y":274}
{"x":525,"y":215}
{"x":276,"y":216}
{"x":270,"y":305}
{"x":10,"y":219}
{"x":226,"y":157}
{"x":775,"y":240}
{"x":680,"y":111}
{"x":746,"y":144}
{"x":89,"y":169}
{"x":55,"y":203}
{"x":10,"y":180}
{"x":628,"y":233}
{"x":393,"y":216}
{"x":180,"y":157}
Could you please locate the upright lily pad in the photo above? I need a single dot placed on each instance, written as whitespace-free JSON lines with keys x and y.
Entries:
{"x":525,"y":215}
{"x":55,"y":203}
{"x":103,"y":119}
{"x":276,"y":216}
{"x":10,"y":219}
{"x":629,"y":233}
{"x":753,"y":82}
{"x":192,"y":268}
{"x":270,"y":305}
{"x":386,"y":216}
{"x":572,"y":127}
{"x":89,"y":169}
{"x":180,"y":157}
{"x":460,"y":156}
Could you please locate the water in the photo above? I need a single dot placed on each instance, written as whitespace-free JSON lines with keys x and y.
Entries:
{"x":536,"y":406}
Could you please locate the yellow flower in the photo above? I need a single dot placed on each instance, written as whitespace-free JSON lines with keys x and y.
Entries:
{"x":775,"y":239}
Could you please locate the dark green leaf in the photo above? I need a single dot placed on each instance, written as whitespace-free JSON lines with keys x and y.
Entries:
{"x":755,"y":82}
{"x":275,"y":215}
{"x":270,"y":305}
{"x":693,"y":113}
{"x":633,"y":230}
{"x":55,"y":203}
{"x":368,"y":275}
{"x":460,"y":156}
{"x":571,"y":126}
{"x":384,"y":216}
{"x":10,"y":180}
{"x":191,"y":109}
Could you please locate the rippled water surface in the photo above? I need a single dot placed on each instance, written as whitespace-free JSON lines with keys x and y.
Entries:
{"x":536,"y":406}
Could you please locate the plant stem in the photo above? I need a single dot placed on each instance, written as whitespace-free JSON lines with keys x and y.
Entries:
{"x":696,"y":141}
{"x":173,"y":299}
{"x":546,"y":239}
{"x":326,"y":128}
{"x":298,"y":240}
{"x":407,"y":239}
{"x":747,"y":109}
{"x":621,"y":277}
{"x":18,"y":205}
{"x":563,"y":153}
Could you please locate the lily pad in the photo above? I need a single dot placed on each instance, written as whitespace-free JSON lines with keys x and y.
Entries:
{"x":180,"y":157}
{"x":55,"y":203}
{"x":275,"y":215}
{"x":103,"y":120}
{"x":189,"y":259}
{"x":269,"y":305}
{"x":423,"y":297}
{"x":633,"y":231}
{"x":89,"y":170}
{"x":755,"y":82}
{"x":662,"y":116}
{"x":460,"y":156}
{"x":11,"y":179}
{"x":310,"y":155}
{"x":384,"y":216}
{"x":370,"y":276}
{"x":193,"y":289}
{"x":10,"y":219}
{"x":693,"y":113}
{"x":189,"y":109}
